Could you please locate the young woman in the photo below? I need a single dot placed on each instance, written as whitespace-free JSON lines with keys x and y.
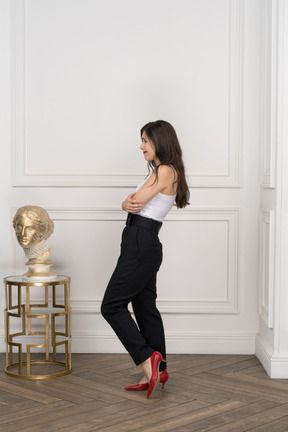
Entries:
{"x":134,"y":278}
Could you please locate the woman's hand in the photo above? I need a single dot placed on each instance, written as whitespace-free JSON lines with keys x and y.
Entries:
{"x":130,"y":205}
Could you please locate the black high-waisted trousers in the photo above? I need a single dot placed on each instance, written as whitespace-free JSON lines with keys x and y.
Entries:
{"x":134,"y":280}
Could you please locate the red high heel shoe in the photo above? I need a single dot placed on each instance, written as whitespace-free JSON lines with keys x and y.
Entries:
{"x":155,"y":359}
{"x":138,"y":387}
{"x":163,"y":378}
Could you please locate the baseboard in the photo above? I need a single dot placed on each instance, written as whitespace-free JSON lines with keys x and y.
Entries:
{"x":177,"y":343}
{"x":276,"y":365}
{"x":263,"y":352}
{"x":211,"y":343}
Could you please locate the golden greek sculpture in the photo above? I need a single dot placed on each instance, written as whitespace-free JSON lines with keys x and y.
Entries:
{"x":33,"y":227}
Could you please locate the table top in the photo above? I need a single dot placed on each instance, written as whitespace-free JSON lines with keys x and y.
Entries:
{"x":20,"y":280}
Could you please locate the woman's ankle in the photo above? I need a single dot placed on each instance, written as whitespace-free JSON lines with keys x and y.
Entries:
{"x":146,"y":366}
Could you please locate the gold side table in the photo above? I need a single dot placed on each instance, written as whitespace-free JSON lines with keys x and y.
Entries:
{"x":24,"y":315}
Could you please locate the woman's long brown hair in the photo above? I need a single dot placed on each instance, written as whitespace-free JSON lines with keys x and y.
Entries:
{"x":168,"y":151}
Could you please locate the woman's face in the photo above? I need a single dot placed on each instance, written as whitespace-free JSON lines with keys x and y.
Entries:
{"x":27,"y":233}
{"x":148,"y":149}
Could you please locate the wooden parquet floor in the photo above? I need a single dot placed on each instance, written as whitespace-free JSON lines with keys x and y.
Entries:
{"x":219,"y":393}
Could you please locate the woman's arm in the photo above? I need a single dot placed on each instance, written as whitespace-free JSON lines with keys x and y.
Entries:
{"x":131,"y":205}
{"x":166,"y":178}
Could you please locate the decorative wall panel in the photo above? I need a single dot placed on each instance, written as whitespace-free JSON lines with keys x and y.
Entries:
{"x":85,"y":246}
{"x":269,"y":91}
{"x":266,"y":267}
{"x":81,"y":96}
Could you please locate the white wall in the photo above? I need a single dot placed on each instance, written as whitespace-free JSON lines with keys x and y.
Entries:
{"x":84,"y":77}
{"x":272,"y":340}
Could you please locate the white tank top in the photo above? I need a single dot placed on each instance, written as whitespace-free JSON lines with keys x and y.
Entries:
{"x":158,"y":207}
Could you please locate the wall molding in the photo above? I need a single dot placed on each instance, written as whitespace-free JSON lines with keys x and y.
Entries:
{"x":22,"y":177}
{"x":269,"y":67}
{"x":231,"y":216}
{"x":266,"y":311}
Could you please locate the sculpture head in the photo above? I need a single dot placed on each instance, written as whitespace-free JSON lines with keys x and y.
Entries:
{"x":32,"y":225}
